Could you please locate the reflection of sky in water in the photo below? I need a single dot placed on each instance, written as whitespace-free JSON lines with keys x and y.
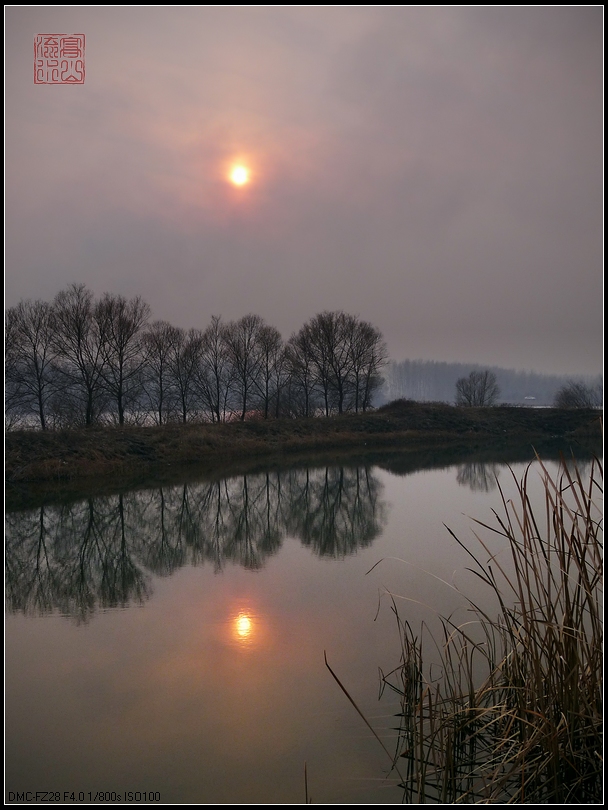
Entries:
{"x":164,"y":695}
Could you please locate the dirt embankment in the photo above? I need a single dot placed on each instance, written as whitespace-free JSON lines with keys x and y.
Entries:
{"x":100,"y":451}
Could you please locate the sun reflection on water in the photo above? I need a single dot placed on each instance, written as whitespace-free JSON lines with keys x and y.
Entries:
{"x":243,"y":628}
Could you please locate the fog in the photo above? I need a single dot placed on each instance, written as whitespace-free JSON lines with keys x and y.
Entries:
{"x":436,"y":171}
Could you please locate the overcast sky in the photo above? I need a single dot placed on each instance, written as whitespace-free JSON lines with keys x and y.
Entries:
{"x":437,"y":171}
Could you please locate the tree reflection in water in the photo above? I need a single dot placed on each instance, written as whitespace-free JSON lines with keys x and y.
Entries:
{"x":99,"y":553}
{"x":73,"y":559}
{"x":482,"y":476}
{"x":478,"y":476}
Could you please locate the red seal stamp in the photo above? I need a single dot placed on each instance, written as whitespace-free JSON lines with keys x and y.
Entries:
{"x":59,"y":59}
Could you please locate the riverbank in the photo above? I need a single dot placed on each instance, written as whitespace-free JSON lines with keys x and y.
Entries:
{"x":37,"y":456}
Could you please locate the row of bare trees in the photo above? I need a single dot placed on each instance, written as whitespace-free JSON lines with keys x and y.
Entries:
{"x":80,"y":361}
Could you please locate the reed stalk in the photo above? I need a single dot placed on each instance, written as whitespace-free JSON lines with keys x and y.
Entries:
{"x":516,"y":713}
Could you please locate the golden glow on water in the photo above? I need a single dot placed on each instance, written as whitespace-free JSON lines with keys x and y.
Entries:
{"x":243,"y":628}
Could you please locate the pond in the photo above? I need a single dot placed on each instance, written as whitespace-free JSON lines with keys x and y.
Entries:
{"x":168,"y":643}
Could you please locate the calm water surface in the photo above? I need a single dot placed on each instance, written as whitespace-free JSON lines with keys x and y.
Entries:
{"x":171,"y":640}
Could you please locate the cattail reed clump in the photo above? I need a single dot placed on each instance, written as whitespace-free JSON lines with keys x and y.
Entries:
{"x":513,"y":712}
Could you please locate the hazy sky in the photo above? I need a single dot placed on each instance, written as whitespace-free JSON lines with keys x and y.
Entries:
{"x":437,"y":171}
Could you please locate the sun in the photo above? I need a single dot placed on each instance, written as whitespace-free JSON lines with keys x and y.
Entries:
{"x":239,"y":175}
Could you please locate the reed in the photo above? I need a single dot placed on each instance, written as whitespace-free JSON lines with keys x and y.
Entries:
{"x":515,"y":715}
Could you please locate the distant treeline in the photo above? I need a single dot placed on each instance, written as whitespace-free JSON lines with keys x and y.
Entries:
{"x":79,"y":361}
{"x":430,"y":381}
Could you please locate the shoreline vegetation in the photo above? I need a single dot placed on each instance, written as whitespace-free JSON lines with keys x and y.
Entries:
{"x":98,"y":452}
{"x":512,"y":711}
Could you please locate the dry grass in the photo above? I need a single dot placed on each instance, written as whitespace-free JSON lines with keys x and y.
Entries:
{"x":515,"y":715}
{"x":96,"y":451}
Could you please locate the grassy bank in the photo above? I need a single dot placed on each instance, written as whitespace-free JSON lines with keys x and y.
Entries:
{"x":35,"y":456}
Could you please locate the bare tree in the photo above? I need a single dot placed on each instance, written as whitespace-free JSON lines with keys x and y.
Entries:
{"x":242,"y":339}
{"x":121,"y":322}
{"x":336,"y":329}
{"x":269,"y":381}
{"x":32,"y":356}
{"x":368,"y":357}
{"x":282,"y":380}
{"x":343,"y":356}
{"x":300,"y":376}
{"x":158,"y":342}
{"x":12,"y":377}
{"x":214,"y":376}
{"x":184,"y":362}
{"x":478,"y":389}
{"x":323,"y":338}
{"x":79,"y":342}
{"x":578,"y":395}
